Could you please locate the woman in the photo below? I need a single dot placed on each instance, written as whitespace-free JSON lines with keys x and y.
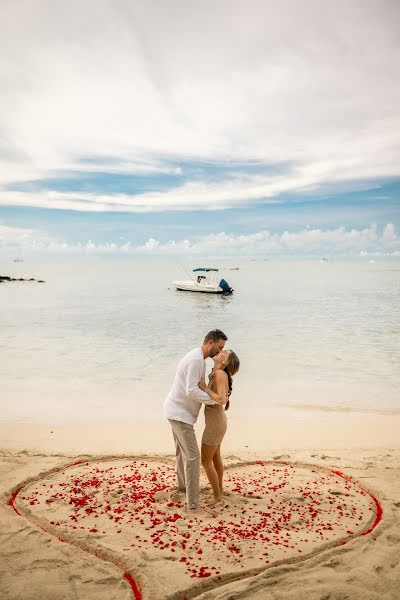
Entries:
{"x":226,"y":364}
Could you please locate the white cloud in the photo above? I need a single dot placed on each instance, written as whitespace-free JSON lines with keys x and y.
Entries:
{"x":151,"y":244}
{"x":389,"y":233}
{"x":311,"y":84}
{"x":14,"y":238}
{"x":198,"y":195}
{"x":339,"y":242}
{"x":16,"y":234}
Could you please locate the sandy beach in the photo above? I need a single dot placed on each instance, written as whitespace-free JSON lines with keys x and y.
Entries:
{"x":85,"y":515}
{"x":189,"y":193}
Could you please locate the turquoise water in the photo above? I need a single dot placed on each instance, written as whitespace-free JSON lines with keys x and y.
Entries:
{"x":100,"y":340}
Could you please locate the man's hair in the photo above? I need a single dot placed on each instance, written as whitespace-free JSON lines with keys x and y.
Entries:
{"x":214,"y":336}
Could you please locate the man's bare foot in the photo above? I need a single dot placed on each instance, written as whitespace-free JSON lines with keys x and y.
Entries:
{"x":200,"y":512}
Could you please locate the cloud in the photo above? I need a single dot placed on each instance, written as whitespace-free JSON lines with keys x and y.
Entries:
{"x":140,"y":86}
{"x":237,"y":191}
{"x":16,"y":234}
{"x":12,"y":238}
{"x":337,"y":243}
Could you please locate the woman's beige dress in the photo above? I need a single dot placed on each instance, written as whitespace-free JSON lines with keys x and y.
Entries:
{"x":216,"y":423}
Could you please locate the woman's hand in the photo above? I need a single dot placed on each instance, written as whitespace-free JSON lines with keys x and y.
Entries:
{"x":203,"y":385}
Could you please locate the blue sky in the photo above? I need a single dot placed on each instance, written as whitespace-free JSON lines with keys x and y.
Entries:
{"x":128,"y":135}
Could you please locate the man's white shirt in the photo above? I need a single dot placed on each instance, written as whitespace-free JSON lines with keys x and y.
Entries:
{"x":185,"y":398}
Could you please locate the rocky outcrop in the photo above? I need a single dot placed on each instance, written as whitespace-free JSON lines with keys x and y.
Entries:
{"x":4,"y":278}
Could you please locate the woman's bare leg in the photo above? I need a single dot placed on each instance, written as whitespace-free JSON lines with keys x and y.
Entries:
{"x":219,"y":467}
{"x":207,"y":453}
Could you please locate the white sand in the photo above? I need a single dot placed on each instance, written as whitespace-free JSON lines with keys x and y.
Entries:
{"x":91,"y":564}
{"x":303,"y":430}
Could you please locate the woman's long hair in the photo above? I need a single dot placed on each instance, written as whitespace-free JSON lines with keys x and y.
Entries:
{"x":231,"y":367}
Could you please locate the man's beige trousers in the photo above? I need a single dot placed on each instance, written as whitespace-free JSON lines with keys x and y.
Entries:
{"x":187,"y":461}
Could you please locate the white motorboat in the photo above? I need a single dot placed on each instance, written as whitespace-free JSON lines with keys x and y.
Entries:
{"x":206,"y":280}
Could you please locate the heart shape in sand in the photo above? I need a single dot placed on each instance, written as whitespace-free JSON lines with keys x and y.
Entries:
{"x":126,"y":512}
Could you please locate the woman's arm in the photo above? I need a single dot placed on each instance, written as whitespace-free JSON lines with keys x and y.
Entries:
{"x":221,"y":385}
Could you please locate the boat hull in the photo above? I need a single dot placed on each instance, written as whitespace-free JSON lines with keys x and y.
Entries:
{"x":189,"y":286}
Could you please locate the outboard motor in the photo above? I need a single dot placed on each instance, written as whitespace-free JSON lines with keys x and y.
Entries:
{"x":226,"y":288}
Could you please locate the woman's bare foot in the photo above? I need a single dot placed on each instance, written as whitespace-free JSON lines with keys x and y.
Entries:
{"x":215,"y":501}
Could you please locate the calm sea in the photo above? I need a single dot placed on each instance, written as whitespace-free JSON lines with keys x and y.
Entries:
{"x":101,"y":339}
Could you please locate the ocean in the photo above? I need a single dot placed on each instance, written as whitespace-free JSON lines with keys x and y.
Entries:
{"x":100,"y":340}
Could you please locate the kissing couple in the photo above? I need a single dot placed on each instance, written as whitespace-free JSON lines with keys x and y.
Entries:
{"x":182,"y":406}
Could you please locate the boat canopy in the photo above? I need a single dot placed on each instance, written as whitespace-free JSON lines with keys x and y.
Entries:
{"x":204,"y":269}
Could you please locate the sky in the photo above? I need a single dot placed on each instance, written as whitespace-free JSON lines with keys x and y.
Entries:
{"x":259,"y":128}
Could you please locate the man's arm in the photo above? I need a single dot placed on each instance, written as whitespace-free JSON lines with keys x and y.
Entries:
{"x":194,"y":374}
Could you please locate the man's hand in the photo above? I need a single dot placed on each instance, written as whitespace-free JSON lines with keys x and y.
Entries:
{"x":202,"y":385}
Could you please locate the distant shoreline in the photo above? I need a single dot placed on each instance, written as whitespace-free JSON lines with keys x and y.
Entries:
{"x":6,"y":278}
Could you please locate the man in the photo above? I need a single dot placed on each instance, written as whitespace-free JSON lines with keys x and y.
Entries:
{"x":182,"y":407}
